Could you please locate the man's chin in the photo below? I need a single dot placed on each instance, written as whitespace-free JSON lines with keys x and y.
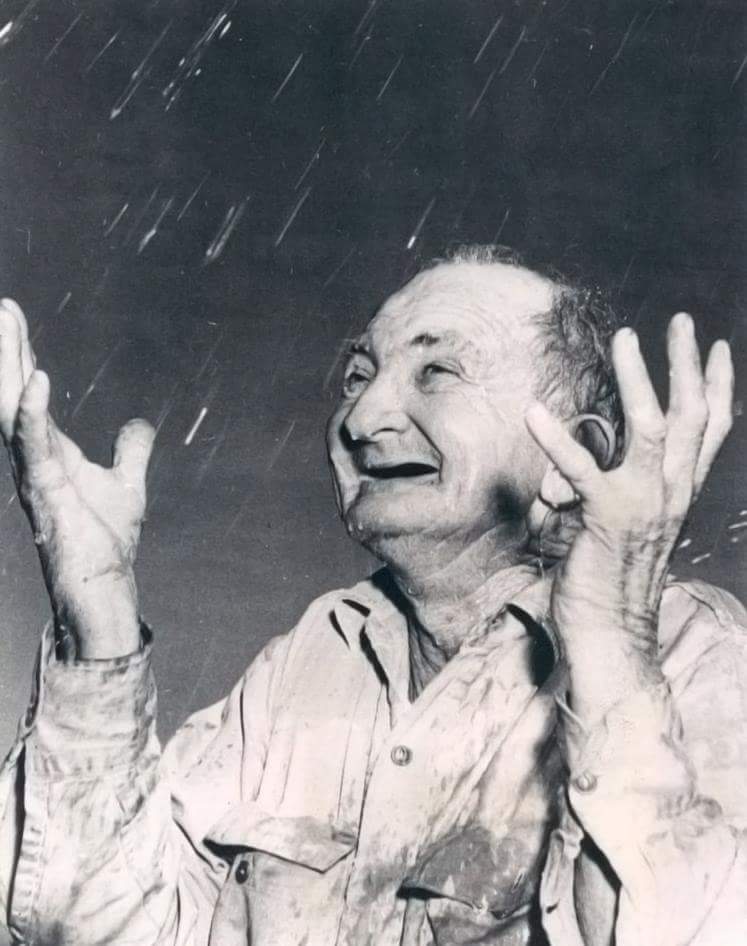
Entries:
{"x":379,"y":525}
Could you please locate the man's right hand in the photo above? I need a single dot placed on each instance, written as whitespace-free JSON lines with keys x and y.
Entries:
{"x":86,"y":519}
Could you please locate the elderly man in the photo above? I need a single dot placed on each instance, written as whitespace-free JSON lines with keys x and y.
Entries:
{"x":519,"y":731}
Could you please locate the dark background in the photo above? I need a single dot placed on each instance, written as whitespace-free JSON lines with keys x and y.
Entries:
{"x":606,"y":138}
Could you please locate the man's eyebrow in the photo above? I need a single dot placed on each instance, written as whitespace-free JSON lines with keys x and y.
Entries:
{"x":428,"y":340}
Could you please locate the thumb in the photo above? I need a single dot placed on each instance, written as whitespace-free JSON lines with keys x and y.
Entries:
{"x":572,"y":461}
{"x":132,"y":450}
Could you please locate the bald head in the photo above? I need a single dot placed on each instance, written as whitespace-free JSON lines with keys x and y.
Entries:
{"x":570,"y":326}
{"x":490,"y":309}
{"x":501,"y":290}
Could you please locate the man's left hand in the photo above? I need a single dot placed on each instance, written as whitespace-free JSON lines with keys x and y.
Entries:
{"x":607,"y":590}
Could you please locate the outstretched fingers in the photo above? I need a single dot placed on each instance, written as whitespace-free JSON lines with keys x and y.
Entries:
{"x":644,"y":422}
{"x":32,"y":425}
{"x":42,"y":465}
{"x":684,"y":444}
{"x":17,"y":363}
{"x":688,"y":412}
{"x":28,"y":360}
{"x":11,"y":372}
{"x":719,"y":395}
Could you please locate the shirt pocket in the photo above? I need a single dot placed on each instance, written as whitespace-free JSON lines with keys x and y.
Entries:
{"x":479,"y":888}
{"x":304,"y":840}
{"x":288,"y":875}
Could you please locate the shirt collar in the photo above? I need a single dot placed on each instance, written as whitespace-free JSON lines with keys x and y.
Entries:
{"x":372,"y":605}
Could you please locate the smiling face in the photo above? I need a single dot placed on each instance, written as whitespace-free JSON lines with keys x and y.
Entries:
{"x":429,"y":437}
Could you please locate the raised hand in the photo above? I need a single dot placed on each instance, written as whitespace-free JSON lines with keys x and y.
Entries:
{"x":86,"y":519}
{"x":608,"y":588}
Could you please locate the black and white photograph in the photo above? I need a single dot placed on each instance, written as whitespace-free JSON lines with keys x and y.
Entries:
{"x":374,"y":517}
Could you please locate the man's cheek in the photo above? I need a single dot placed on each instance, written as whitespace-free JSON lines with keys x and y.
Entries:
{"x":469,"y":446}
{"x":345,"y":478}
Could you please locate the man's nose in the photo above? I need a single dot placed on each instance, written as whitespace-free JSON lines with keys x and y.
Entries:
{"x":378,"y":411}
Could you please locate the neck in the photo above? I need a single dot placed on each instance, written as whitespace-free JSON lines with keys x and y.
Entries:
{"x":451,"y":596}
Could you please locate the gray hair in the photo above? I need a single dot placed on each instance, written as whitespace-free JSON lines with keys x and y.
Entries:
{"x":574,"y":338}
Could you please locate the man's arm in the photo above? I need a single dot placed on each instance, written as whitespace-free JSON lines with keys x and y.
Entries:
{"x":666,"y":862}
{"x":89,"y":852}
{"x":101,"y":835}
{"x":632,"y":785}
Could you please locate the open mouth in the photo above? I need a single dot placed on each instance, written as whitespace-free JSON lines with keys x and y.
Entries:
{"x":409,"y":470}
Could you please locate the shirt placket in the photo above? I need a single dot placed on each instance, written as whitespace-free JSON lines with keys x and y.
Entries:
{"x":231,"y":918}
{"x":387,"y":846}
{"x":391,"y":750}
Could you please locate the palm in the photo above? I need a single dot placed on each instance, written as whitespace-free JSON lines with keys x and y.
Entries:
{"x":80,"y":512}
{"x":110,"y":504}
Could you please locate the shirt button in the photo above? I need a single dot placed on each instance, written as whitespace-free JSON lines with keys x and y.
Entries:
{"x":586,"y":782}
{"x":242,"y":872}
{"x":401,"y":755}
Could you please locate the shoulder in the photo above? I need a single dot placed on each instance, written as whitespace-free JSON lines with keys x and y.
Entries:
{"x":327,"y":615}
{"x":299,"y":655}
{"x":342,"y":612}
{"x":721,"y":604}
{"x":695,"y":618}
{"x":326,"y":634}
{"x":703,"y":644}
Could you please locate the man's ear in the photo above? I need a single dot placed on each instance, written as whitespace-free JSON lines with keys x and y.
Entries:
{"x":598,"y":436}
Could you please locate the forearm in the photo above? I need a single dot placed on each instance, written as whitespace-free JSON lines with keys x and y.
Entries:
{"x":606,"y":617}
{"x":634,"y":792}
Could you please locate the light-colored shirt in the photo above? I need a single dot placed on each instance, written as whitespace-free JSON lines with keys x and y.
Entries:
{"x":317,"y":805}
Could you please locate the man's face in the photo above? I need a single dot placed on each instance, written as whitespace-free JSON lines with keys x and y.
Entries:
{"x":429,"y":435}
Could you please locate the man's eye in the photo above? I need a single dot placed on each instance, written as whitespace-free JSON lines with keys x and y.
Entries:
{"x":354,"y":383}
{"x":435,"y":370}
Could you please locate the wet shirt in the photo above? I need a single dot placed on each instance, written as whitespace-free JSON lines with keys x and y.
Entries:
{"x":317,"y":805}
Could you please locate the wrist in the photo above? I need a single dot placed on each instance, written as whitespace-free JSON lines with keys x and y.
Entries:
{"x":613,"y":606}
{"x":99,"y":620}
{"x":620,"y":582}
{"x":605,"y":671}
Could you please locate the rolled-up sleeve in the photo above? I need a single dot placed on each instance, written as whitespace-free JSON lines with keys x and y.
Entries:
{"x":635,"y":787}
{"x":92,"y":850}
{"x":634,"y":791}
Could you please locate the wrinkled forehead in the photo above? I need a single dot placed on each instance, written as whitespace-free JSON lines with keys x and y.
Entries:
{"x":491,"y":305}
